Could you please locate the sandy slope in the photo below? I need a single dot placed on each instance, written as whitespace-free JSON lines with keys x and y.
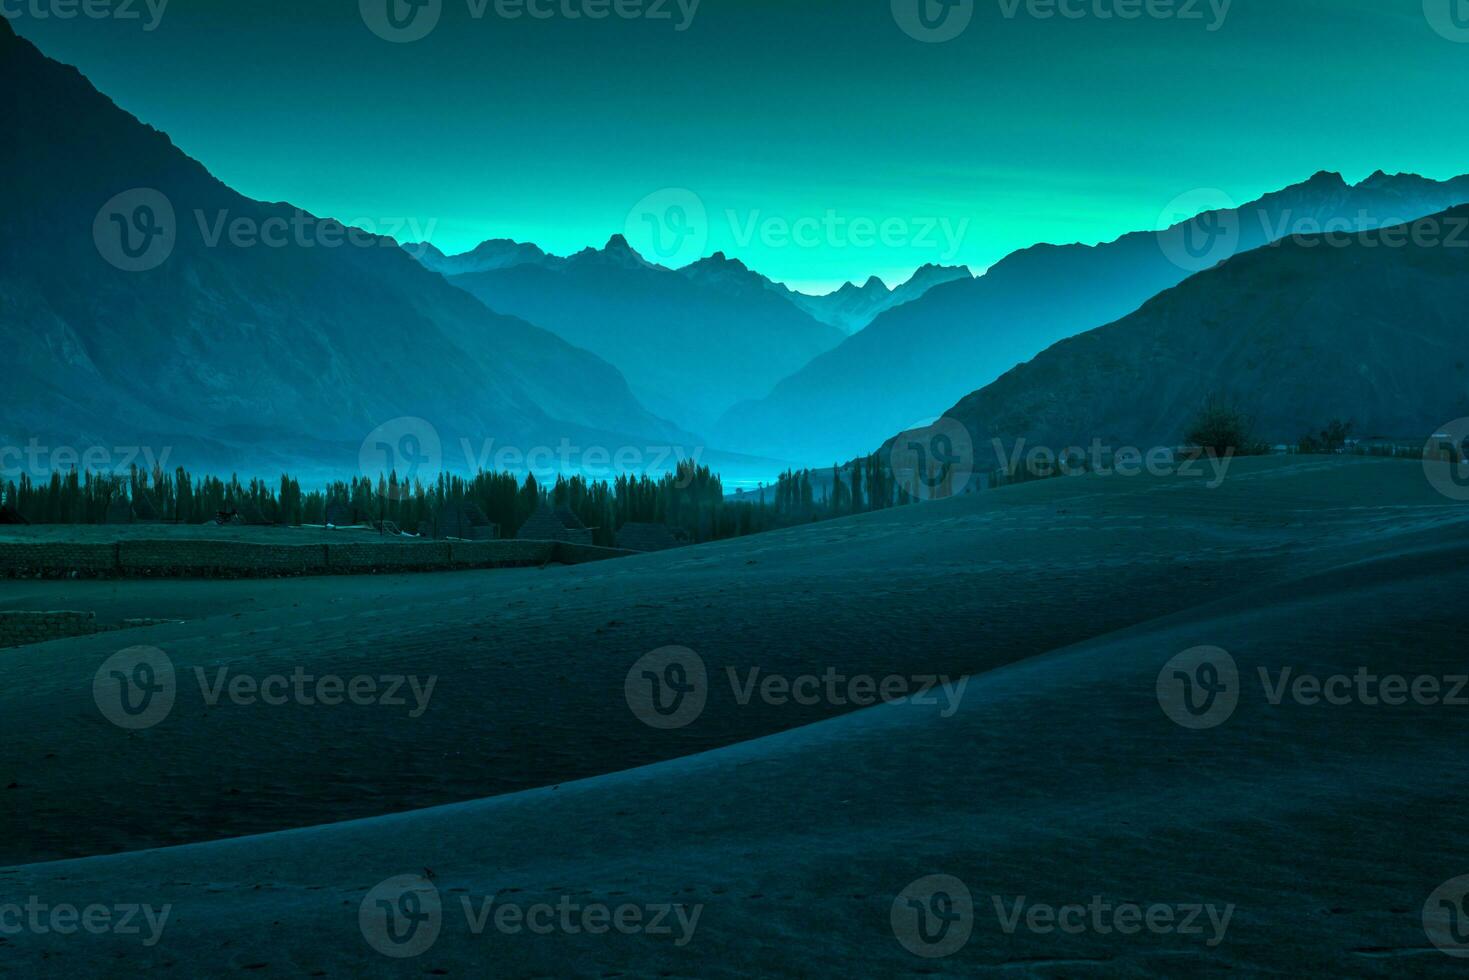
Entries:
{"x":1058,"y":778}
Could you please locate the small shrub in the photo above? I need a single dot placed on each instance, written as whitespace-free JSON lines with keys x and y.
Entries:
{"x":1221,"y":429}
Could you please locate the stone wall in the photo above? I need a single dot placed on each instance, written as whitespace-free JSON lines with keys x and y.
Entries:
{"x":203,"y":558}
{"x":18,"y":629}
{"x":200,"y":558}
{"x":30,"y":559}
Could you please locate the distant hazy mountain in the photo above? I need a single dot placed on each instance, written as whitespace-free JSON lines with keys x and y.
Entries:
{"x":689,"y":349}
{"x":1371,"y":329}
{"x":497,"y":253}
{"x":853,"y":307}
{"x":849,"y":309}
{"x":913,"y":360}
{"x":233,"y":353}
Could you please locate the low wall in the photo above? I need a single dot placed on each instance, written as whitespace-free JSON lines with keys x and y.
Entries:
{"x":197,"y":558}
{"x":28,"y":559}
{"x":18,"y":629}
{"x":203,"y":558}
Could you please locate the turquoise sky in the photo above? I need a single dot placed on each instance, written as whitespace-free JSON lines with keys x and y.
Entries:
{"x":804,"y":114}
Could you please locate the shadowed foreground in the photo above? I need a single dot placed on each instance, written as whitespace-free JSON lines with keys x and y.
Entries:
{"x":1058,"y":777}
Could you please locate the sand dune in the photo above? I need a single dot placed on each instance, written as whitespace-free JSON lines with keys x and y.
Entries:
{"x":1056,"y":776}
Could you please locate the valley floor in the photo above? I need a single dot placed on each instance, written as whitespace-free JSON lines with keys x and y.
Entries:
{"x":1052,"y":776}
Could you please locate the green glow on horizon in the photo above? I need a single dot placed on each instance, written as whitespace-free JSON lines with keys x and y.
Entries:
{"x":1021,"y":130}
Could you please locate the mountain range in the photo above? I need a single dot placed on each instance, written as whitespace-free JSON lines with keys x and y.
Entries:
{"x":910,"y":361}
{"x":256,"y":353}
{"x":1369,"y":328}
{"x":265,"y":335}
{"x":689,"y":349}
{"x":661,"y":326}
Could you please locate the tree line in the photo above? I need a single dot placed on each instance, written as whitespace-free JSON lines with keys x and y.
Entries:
{"x":690,"y":501}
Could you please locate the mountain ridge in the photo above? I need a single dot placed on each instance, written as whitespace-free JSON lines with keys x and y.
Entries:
{"x":688,"y":348}
{"x":961,"y":335}
{"x":1294,"y":334}
{"x":244,"y":354}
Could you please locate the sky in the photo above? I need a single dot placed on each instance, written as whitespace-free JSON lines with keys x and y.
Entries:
{"x":819,"y":141}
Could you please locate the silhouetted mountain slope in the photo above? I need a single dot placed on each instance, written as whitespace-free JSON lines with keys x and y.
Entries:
{"x":237,"y":353}
{"x":912,"y":361}
{"x":1371,"y":329}
{"x":689,"y":350}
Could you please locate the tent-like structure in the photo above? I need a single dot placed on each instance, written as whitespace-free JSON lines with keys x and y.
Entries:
{"x":463,"y":519}
{"x":555,"y":524}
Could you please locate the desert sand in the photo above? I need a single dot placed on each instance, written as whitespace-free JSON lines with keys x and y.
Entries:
{"x":1056,"y":777}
